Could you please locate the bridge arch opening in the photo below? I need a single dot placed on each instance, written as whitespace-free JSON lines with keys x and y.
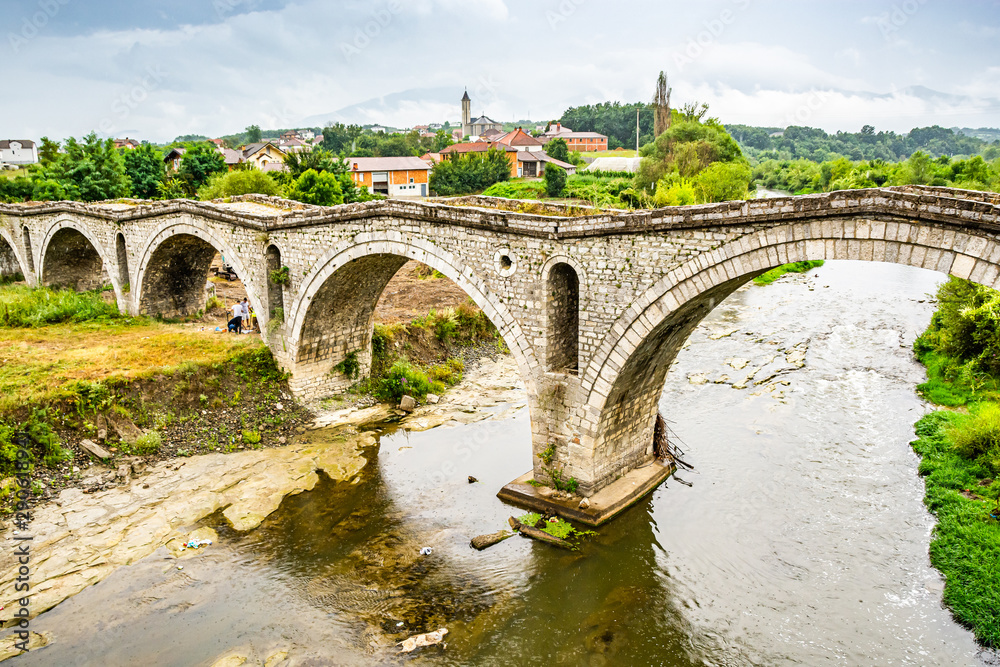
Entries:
{"x":26,"y":242}
{"x":10,"y":267}
{"x":121,"y":254}
{"x":275,"y":290}
{"x":174,"y":278}
{"x":563,"y":315}
{"x":72,"y":261}
{"x":628,"y":372}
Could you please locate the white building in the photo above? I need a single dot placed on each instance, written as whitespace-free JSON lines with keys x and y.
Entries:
{"x":18,"y":151}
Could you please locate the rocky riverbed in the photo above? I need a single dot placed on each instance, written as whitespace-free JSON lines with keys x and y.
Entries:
{"x":79,"y":539}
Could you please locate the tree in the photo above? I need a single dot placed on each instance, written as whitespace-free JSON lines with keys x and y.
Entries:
{"x":90,"y":171}
{"x":317,"y":187}
{"x":239,"y":182}
{"x":318,"y":159}
{"x":145,"y":169}
{"x":558,"y":149}
{"x":687,"y":147}
{"x":661,"y":101}
{"x":722,"y":181}
{"x":48,"y":152}
{"x":253,"y":134}
{"x":471,"y":172}
{"x":555,"y":180}
{"x":198,"y":164}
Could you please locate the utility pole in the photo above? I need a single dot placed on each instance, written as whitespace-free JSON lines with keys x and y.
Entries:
{"x":637,"y":131}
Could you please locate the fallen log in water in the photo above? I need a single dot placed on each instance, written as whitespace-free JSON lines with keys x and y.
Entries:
{"x":481,"y":542}
{"x":536,"y":534}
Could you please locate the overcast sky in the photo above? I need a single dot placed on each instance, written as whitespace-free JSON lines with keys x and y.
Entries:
{"x":156,"y":69}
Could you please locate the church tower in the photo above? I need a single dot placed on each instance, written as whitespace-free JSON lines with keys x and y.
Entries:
{"x":466,"y":115}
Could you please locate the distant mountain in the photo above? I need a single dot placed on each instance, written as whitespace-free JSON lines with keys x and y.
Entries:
{"x":408,"y":107}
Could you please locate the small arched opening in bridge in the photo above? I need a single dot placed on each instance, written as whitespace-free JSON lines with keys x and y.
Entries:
{"x":72,"y":261}
{"x":121,"y":253}
{"x":562,"y":309}
{"x":10,"y":267}
{"x":26,"y":242}
{"x":175,"y":275}
{"x":275,"y":290}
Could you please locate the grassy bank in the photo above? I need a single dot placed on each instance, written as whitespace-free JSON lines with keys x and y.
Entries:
{"x":426,"y":355}
{"x":162,"y":389}
{"x":960,"y":452}
{"x":777,"y":272}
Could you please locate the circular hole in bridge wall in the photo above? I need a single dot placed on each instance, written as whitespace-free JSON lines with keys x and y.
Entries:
{"x":505,"y":262}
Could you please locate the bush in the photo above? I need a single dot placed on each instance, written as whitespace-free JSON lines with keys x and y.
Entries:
{"x":405,"y":379}
{"x":471,"y":172}
{"x":250,"y":437}
{"x":977,"y":436}
{"x":555,"y":180}
{"x":238,"y":182}
{"x":318,"y":188}
{"x":148,"y":443}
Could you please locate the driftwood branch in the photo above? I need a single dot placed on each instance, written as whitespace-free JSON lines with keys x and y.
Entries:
{"x":540,"y":535}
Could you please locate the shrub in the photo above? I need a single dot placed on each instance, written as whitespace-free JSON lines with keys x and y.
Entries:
{"x":319,"y":188}
{"x":977,"y":436}
{"x":250,"y":437}
{"x":404,"y":379}
{"x":555,"y":180}
{"x":148,"y":443}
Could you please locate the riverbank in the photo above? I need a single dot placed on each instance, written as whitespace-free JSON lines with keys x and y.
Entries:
{"x":79,"y":539}
{"x":960,"y":453}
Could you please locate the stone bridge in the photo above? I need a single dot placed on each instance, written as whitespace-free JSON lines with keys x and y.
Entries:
{"x":594,"y":307}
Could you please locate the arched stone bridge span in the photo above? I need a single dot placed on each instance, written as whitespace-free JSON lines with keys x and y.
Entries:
{"x":594,"y":308}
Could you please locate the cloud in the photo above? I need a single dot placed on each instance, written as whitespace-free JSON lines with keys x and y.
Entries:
{"x":277,"y":63}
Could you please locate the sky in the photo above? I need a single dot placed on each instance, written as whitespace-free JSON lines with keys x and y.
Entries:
{"x":157,"y":69}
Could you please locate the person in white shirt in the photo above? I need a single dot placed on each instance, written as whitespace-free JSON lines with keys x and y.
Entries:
{"x":237,"y":321}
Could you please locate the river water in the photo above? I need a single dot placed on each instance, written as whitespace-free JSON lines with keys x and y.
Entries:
{"x":801,"y":540}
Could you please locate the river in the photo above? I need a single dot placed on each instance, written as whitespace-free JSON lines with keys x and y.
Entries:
{"x":801,"y":540}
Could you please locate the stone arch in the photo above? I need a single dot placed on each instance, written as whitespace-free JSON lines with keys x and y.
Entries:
{"x":173,"y":271}
{"x":562,"y":319}
{"x":275,"y":292}
{"x":374,"y":258}
{"x":11,"y":262}
{"x":72,"y":257}
{"x":121,"y":255}
{"x":625,"y":376}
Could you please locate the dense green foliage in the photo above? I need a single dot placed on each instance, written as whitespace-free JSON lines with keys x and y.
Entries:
{"x":966,"y":542}
{"x":557,"y":149}
{"x":355,"y":141}
{"x":778,"y":271}
{"x":555,"y":180}
{"x":961,"y":452}
{"x":198,"y":164}
{"x":814,"y":144}
{"x":321,"y":188}
{"x":145,"y":170}
{"x":598,"y":191}
{"x":469,"y":172}
{"x":42,"y":443}
{"x":613,"y":119}
{"x":23,"y":306}
{"x":238,"y":182}
{"x":803,"y":176}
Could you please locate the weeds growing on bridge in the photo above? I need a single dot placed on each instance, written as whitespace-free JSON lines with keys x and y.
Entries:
{"x":22,"y":306}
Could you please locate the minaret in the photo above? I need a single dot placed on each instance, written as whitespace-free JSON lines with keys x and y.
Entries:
{"x":466,"y":115}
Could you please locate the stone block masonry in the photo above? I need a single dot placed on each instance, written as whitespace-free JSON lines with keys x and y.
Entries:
{"x":593,"y":307}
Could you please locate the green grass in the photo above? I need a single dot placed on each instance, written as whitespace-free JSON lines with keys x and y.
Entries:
{"x":966,"y":542}
{"x":953,"y":384}
{"x":22,"y":306}
{"x":777,"y":272}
